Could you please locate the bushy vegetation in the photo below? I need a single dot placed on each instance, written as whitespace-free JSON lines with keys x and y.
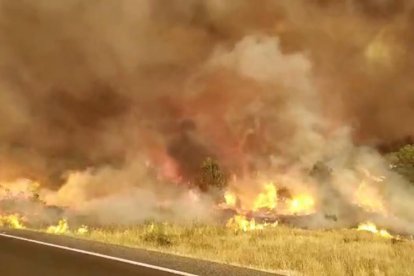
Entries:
{"x":211,"y":176}
{"x":334,"y":252}
{"x":402,"y":161}
{"x":156,"y":235}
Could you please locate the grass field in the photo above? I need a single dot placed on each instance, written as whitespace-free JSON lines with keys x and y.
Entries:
{"x":295,"y":251}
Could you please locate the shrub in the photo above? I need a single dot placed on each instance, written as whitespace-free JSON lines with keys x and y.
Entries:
{"x":156,"y":235}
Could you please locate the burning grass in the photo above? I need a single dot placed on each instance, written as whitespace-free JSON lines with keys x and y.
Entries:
{"x":255,"y":233}
{"x":250,"y":240}
{"x":279,"y":248}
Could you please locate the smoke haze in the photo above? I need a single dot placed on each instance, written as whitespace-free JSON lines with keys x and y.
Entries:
{"x":103,"y":99}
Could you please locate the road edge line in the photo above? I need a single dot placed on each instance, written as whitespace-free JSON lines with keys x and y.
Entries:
{"x":108,"y":257}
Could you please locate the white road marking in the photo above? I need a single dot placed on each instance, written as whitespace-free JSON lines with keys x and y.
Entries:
{"x":176,"y":272}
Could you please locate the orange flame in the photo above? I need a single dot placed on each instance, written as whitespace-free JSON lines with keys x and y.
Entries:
{"x":302,"y":204}
{"x":241,"y":223}
{"x":267,"y":199}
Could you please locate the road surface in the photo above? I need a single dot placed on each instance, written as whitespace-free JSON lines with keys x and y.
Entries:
{"x":29,"y":253}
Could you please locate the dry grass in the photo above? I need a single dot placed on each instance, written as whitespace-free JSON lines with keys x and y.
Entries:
{"x":335,"y":252}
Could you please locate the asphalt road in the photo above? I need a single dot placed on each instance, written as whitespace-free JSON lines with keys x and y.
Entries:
{"x":29,"y":253}
{"x":26,"y":258}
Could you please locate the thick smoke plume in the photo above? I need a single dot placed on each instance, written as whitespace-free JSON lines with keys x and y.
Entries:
{"x":118,"y":102}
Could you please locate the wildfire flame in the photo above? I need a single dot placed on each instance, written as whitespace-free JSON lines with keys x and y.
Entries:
{"x":61,"y":228}
{"x":372,"y":228}
{"x":368,"y":198}
{"x":241,"y":223}
{"x":302,"y":204}
{"x":12,"y":221}
{"x":246,"y":205}
{"x":267,"y":199}
{"x":84,"y":229}
{"x":230,"y":199}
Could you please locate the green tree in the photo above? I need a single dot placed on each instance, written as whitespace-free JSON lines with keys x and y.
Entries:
{"x":402,"y":161}
{"x":211,"y":176}
{"x":406,"y":155}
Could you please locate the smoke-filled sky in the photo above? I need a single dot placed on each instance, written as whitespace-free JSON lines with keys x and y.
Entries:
{"x":90,"y":84}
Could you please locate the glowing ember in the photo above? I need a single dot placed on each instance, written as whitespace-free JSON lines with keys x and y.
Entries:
{"x":372,"y":228}
{"x":302,"y":204}
{"x":266,"y":199}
